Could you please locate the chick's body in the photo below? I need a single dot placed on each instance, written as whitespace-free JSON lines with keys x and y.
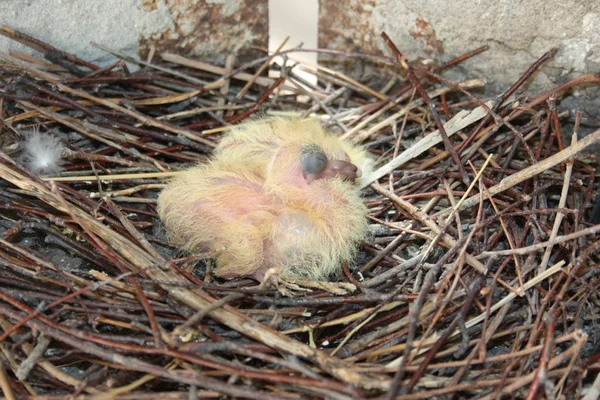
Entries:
{"x":278,"y":194}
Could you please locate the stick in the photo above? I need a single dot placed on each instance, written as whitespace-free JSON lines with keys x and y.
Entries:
{"x":459,"y":122}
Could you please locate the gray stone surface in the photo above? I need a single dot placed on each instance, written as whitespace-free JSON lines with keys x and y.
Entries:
{"x":71,"y":25}
{"x":211,"y":29}
{"x":517,"y":33}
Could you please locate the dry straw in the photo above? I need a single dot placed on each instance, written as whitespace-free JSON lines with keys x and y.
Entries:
{"x":479,"y":277}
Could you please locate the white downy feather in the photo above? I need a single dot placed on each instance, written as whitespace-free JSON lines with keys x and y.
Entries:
{"x":42,"y":153}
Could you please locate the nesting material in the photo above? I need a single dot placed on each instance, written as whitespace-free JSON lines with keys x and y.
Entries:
{"x":478,"y":278}
{"x":277,"y":194}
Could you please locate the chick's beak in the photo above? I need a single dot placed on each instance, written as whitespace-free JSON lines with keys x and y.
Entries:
{"x":341,"y":168}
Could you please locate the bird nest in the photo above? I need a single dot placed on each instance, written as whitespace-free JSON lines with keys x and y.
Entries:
{"x":477,"y":278}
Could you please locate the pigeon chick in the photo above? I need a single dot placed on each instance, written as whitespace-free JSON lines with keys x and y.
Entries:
{"x":279,"y":194}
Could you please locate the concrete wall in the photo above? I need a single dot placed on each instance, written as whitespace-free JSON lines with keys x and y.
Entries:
{"x":517,"y":33}
{"x":204,"y":28}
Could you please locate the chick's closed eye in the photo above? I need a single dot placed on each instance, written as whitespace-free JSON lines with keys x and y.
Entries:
{"x":313,"y":159}
{"x":316,"y":165}
{"x":278,"y":194}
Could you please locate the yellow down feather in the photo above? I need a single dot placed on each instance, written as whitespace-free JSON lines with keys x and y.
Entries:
{"x":252,"y":207}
